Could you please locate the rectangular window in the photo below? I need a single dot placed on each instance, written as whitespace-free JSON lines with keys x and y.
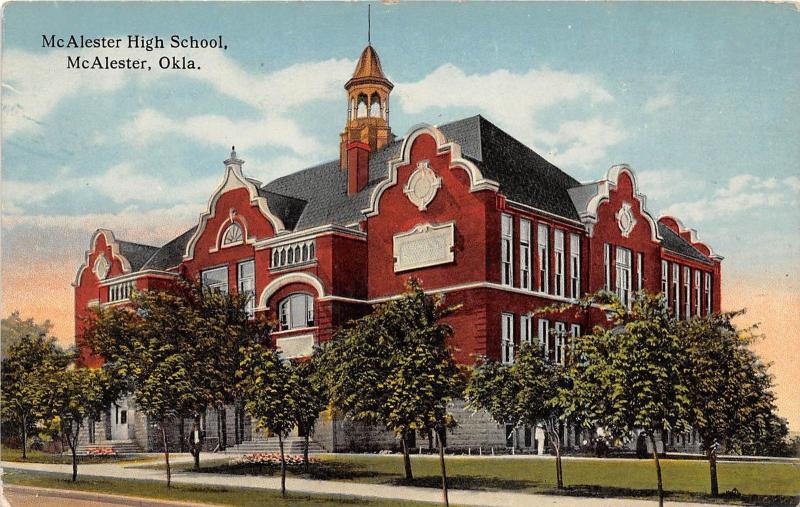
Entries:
{"x":246,"y":284}
{"x":216,"y":278}
{"x":624,"y":276}
{"x":607,"y":266}
{"x":687,"y":296}
{"x":560,"y":341}
{"x":507,"y":338}
{"x":525,"y":329}
{"x":507,"y":260}
{"x":525,"y":254}
{"x":544,"y":257}
{"x":544,"y":336}
{"x":676,"y":290}
{"x":697,"y":300}
{"x":560,"y":261}
{"x":709,"y":305}
{"x":575,"y":265}
{"x":575,"y":332}
{"x":665,"y":280}
{"x":639,"y":271}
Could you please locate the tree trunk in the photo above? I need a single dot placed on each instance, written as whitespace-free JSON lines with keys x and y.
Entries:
{"x":24,"y":437}
{"x":658,"y":471}
{"x":182,"y":434}
{"x":305,"y":452}
{"x":283,"y":466}
{"x":406,"y":456}
{"x":444,"y":470}
{"x":73,"y":443}
{"x":556,"y":440}
{"x":166,"y":453}
{"x":224,"y":429}
{"x":712,"y":463}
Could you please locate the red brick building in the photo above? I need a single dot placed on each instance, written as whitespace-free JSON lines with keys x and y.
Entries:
{"x":464,"y":207}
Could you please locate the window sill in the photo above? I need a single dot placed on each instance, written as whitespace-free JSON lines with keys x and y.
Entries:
{"x":293,"y":266}
{"x":294,"y":330}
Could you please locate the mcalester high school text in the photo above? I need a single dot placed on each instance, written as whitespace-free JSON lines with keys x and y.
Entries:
{"x":131,"y":42}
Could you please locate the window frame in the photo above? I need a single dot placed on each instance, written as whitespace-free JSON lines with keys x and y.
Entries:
{"x":526,"y":328}
{"x":560,"y":332}
{"x":687,"y":292}
{"x":698,"y":300}
{"x":558,"y":248}
{"x":525,"y":236}
{"x":676,"y":290}
{"x":543,"y":333}
{"x":506,"y":249}
{"x":624,"y":274}
{"x":285,"y":311}
{"x":543,"y":250}
{"x":575,"y":265}
{"x":218,"y":285}
{"x":250,"y":306}
{"x":224,"y":243}
{"x":507,"y":338}
{"x":607,"y":266}
{"x":709,"y":300}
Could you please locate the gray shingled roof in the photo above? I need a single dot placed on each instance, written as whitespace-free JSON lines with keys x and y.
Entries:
{"x":136,"y":253}
{"x":171,"y":254}
{"x":287,"y":208}
{"x":673,"y":242}
{"x":523,"y":176}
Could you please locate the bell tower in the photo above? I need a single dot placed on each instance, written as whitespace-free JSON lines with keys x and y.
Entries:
{"x":367,"y":106}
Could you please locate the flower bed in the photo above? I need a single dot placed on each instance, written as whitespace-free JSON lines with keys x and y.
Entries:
{"x":101,"y":451}
{"x":273,"y":459}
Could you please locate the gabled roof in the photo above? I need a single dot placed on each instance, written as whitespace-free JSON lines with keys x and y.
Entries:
{"x":523,"y":175}
{"x":673,"y":242}
{"x":136,"y":253}
{"x":171,"y":254}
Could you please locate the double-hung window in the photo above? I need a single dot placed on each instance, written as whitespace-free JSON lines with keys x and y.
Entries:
{"x":560,"y":261}
{"x":575,"y":265}
{"x":697,"y":300}
{"x":506,"y":242}
{"x":544,"y":337}
{"x":542,"y":239}
{"x":525,"y":254}
{"x":525,"y":329}
{"x":687,"y":295}
{"x":560,"y":342}
{"x":507,"y":338}
{"x":606,"y":266}
{"x":639,"y":271}
{"x":215,"y":279}
{"x":709,"y":308}
{"x":574,"y":332}
{"x":296,"y":311}
{"x":665,"y":280}
{"x":676,"y":290}
{"x":624,"y":276}
{"x":246,"y":284}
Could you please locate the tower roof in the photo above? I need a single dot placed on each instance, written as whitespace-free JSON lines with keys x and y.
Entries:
{"x":368,"y":70}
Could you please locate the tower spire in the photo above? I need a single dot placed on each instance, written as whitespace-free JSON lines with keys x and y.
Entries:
{"x":369,"y":25}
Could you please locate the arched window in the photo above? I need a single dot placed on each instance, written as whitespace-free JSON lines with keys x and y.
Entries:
{"x":233,"y":235}
{"x":362,"y":106}
{"x":296,"y":311}
{"x":375,"y":106}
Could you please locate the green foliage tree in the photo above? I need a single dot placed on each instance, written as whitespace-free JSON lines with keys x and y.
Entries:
{"x":31,"y":358}
{"x":630,"y":377}
{"x":393,"y":367}
{"x":270,"y":387}
{"x":731,"y":390}
{"x":531,"y":391}
{"x":179,"y":351}
{"x":309,"y":397}
{"x":73,"y":397}
{"x":13,"y":329}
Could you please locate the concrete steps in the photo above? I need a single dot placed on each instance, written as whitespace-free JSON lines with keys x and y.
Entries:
{"x":291,"y":445}
{"x":119,"y":446}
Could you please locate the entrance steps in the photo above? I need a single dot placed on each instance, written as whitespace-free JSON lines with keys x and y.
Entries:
{"x":291,"y":445}
{"x":118,"y":446}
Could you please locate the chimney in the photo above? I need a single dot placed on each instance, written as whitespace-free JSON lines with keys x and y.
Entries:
{"x":357,"y":166}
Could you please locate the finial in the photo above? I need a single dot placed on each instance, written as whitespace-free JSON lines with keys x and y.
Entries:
{"x":233,"y":152}
{"x":369,"y":25}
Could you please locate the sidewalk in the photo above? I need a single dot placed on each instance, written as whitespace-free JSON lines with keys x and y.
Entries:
{"x":352,"y":489}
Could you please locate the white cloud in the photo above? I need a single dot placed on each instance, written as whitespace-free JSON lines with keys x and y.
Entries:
{"x":664,"y":183}
{"x":659,"y":102}
{"x":742,"y":193}
{"x":515,"y":100}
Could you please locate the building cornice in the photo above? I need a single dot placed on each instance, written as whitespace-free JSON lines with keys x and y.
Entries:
{"x":147,"y":273}
{"x":314,"y":232}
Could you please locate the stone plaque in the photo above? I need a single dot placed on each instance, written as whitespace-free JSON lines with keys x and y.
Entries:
{"x":424,"y":245}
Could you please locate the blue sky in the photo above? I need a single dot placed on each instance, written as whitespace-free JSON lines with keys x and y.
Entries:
{"x":701,"y":99}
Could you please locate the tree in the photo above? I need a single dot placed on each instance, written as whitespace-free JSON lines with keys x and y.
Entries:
{"x":13,"y":329}
{"x":630,"y":377}
{"x":393,"y":367}
{"x":530,"y":391}
{"x":74,"y":396}
{"x":269,"y":387}
{"x":309,"y":397}
{"x":29,"y":360}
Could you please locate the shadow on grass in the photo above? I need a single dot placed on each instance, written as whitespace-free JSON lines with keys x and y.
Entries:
{"x":467,"y":482}
{"x":318,"y":471}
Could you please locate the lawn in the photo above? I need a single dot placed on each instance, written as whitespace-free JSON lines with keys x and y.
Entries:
{"x":12,"y":454}
{"x":761,"y":483}
{"x":182,"y":492}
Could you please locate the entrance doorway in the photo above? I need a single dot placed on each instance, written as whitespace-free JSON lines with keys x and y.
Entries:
{"x":120,"y":415}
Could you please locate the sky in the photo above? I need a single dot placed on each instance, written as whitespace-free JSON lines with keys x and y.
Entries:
{"x":701,"y":99}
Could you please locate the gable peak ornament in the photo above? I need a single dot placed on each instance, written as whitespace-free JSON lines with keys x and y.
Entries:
{"x":625,"y":219}
{"x":101,"y":267}
{"x":422,"y":185}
